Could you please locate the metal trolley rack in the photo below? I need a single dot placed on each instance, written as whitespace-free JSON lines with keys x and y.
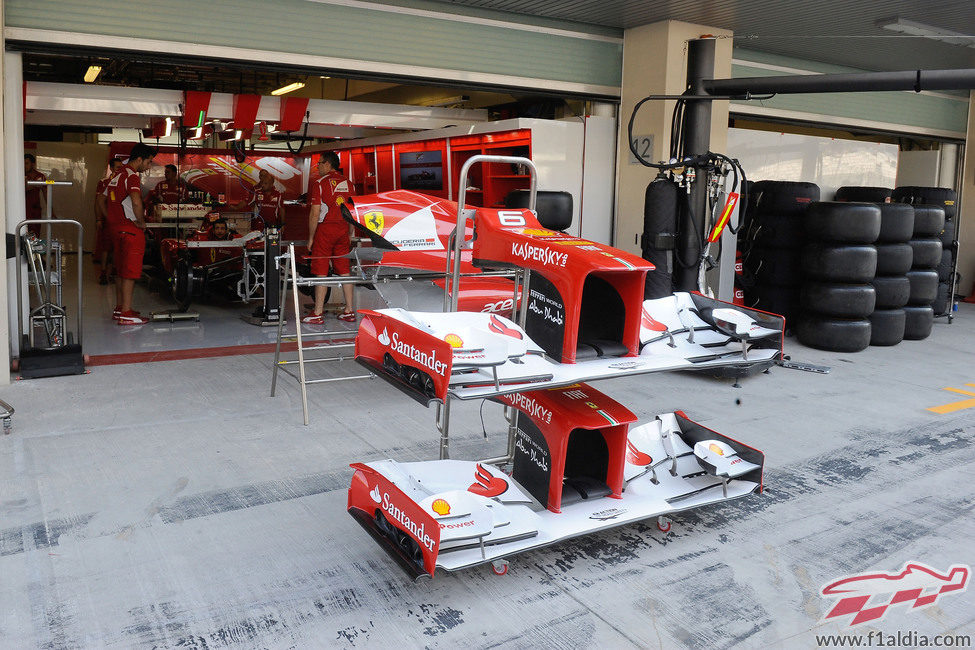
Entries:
{"x":48,"y":348}
{"x":291,"y":278}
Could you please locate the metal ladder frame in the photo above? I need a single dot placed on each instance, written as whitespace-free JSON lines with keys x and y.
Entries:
{"x":289,"y":276}
{"x":457,"y":244}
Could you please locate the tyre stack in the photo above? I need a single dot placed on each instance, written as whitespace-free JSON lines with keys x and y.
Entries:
{"x":947,"y":199}
{"x":773,"y":243}
{"x":863,"y":194}
{"x":891,"y":284}
{"x":839,"y":262}
{"x":929,"y":222}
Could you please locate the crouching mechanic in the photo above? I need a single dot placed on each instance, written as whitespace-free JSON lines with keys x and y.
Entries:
{"x":329,"y":235}
{"x":125,"y":219}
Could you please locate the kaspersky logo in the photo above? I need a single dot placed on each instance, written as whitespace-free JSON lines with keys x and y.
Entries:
{"x":869,"y":596}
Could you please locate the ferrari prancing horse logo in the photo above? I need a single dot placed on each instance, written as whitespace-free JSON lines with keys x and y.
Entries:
{"x":374,"y":221}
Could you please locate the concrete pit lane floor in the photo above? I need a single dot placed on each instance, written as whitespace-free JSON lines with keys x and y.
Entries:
{"x":176,"y":505}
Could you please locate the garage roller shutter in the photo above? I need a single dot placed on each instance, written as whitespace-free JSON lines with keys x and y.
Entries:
{"x":366,"y":37}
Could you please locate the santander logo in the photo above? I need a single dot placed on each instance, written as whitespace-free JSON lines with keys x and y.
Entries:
{"x":486,"y":484}
{"x":636,"y":457}
{"x":651,"y":324}
{"x":916,"y":584}
{"x":417,"y":530}
{"x":425,"y":359}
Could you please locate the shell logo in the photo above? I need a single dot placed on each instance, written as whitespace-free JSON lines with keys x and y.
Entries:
{"x":453,"y":340}
{"x":440,"y":507}
{"x":716,"y":449}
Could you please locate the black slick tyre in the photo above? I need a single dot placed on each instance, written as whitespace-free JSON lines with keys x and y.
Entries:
{"x":860,"y":193}
{"x":918,"y":322}
{"x":839,"y":263}
{"x":894,"y":259}
{"x":945,"y":264}
{"x":775,"y":266}
{"x":896,"y":223}
{"x":927,"y":253}
{"x":946,"y":199}
{"x":941,"y":304}
{"x":891,"y":292}
{"x":778,"y":230}
{"x":924,"y":287}
{"x":929,"y":221}
{"x":782,"y":197}
{"x":840,"y":300}
{"x":842,"y":223}
{"x":887,"y":326}
{"x":834,"y":334}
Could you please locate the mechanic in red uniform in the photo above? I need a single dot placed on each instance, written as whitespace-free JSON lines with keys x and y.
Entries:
{"x":103,"y":239}
{"x":122,"y":201}
{"x":171,"y":189}
{"x":267,"y":203}
{"x":329,"y":235}
{"x":218,"y":231}
{"x":35,"y":196}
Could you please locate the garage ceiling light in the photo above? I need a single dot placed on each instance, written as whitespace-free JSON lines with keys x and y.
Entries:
{"x":283,"y":90}
{"x":911,"y":28}
{"x":92,"y":73}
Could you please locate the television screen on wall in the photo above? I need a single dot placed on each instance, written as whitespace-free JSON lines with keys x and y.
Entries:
{"x":421,"y":170}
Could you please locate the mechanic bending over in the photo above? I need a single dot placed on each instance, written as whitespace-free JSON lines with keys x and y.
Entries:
{"x":329,"y":235}
{"x":121,"y":201}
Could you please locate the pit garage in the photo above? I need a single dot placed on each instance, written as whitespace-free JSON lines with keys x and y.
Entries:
{"x":767,"y":209}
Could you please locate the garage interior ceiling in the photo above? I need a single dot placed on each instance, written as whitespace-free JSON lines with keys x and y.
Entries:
{"x":829,"y":31}
{"x":841,"y":32}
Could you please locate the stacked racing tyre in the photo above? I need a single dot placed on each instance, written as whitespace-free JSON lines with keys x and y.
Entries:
{"x":838,"y":264}
{"x":929,"y":222}
{"x":772,"y":243}
{"x":895,"y":257}
{"x":947,"y":266}
{"x":863,"y":194}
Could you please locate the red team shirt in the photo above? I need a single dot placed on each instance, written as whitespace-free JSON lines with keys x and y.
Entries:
{"x":325,"y":191}
{"x":267,"y":204}
{"x":166,"y":192}
{"x":332,"y":234}
{"x":34,"y":195}
{"x":121,"y":216}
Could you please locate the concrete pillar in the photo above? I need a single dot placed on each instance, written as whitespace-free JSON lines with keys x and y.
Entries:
{"x":4,"y":323}
{"x":655,"y":63}
{"x":966,"y":211}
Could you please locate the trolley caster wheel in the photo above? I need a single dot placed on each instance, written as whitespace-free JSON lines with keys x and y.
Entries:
{"x":663,"y":524}
{"x":500,"y":567}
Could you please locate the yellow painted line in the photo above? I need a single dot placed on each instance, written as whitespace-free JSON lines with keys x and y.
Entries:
{"x":955,"y":406}
{"x":960,"y":391}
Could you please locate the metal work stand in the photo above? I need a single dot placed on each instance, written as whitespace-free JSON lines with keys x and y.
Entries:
{"x":6,"y":411}
{"x":290,"y":276}
{"x":58,"y":351}
{"x":271,"y":310}
{"x":451,"y":294}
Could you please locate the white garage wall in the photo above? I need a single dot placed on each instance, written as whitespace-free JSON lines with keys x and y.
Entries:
{"x":828,"y":162}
